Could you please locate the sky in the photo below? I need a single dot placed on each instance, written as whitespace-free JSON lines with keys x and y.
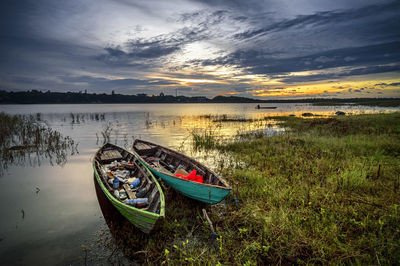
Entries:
{"x":265,"y":49}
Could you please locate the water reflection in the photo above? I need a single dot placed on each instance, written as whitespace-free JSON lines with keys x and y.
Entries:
{"x":25,"y":140}
{"x":65,"y":212}
{"x":126,"y":237}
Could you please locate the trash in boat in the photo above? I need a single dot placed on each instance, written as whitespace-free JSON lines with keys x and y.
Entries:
{"x":153,"y":159}
{"x":130,"y":180}
{"x":135,"y":183}
{"x":192,"y":176}
{"x":141,"y":192}
{"x":116,"y":183}
{"x":117,"y":174}
{"x":122,"y":174}
{"x":113,"y":166}
{"x":181,"y":171}
{"x":139,"y":202}
{"x":122,"y":194}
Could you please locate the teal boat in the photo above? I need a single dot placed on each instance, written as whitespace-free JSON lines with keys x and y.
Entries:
{"x":165,"y":163}
{"x":112,"y":161}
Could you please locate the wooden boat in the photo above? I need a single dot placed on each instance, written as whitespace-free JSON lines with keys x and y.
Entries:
{"x":164,"y":163}
{"x":143,"y":217}
{"x":265,"y":107}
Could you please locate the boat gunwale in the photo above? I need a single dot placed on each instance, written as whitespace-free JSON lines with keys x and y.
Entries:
{"x":114,"y":200}
{"x":202,"y":184}
{"x":227,"y":186}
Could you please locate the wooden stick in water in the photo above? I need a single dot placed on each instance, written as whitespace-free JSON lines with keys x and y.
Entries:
{"x":208,"y":220}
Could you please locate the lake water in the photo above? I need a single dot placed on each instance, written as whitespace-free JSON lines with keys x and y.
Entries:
{"x":49,"y":214}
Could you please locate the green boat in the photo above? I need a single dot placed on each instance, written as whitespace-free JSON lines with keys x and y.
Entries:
{"x":165,"y":163}
{"x":111,"y":162}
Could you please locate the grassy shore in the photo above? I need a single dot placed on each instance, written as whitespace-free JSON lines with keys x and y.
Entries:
{"x":376,"y":102}
{"x":327,"y":191}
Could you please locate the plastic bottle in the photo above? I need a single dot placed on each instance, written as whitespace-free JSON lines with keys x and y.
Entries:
{"x":135,"y":183}
{"x":116,"y":194}
{"x":139,"y":202}
{"x":103,"y":172}
{"x":116,"y":183}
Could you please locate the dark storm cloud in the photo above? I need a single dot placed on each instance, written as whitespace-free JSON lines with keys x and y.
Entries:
{"x":96,"y":82}
{"x":372,"y":56}
{"x":37,"y":57}
{"x":66,"y":44}
{"x":327,"y":18}
{"x":136,"y":50}
{"x":353,"y":72}
{"x":367,"y":37}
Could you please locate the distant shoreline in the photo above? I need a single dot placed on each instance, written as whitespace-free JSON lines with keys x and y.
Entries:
{"x":38,"y":97}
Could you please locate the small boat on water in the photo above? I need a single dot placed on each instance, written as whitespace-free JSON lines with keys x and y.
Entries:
{"x":129,"y":186}
{"x":182,"y":173}
{"x":265,"y":107}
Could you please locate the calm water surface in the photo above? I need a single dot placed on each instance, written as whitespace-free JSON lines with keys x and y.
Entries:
{"x":48,"y":212}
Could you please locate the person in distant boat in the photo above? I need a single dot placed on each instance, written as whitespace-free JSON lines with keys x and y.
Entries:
{"x":258,"y":106}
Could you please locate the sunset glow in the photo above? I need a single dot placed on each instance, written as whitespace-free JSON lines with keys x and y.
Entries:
{"x":260,"y":49}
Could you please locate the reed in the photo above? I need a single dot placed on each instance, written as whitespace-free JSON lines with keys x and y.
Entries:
{"x":205,"y":138}
{"x":317,"y":193}
{"x":24,"y":138}
{"x":323,"y":192}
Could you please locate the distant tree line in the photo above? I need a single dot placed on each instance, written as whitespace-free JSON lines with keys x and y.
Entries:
{"x":48,"y":97}
{"x":39,"y":97}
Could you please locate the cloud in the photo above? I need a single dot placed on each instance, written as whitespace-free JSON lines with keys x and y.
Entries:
{"x":324,"y":59}
{"x":368,"y":60}
{"x":325,"y":18}
{"x":394,"y":84}
{"x":346,"y":73}
{"x":102,"y":83}
{"x":132,"y":46}
{"x":140,"y":49}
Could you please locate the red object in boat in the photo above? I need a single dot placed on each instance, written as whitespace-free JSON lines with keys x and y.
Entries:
{"x":192,"y":177}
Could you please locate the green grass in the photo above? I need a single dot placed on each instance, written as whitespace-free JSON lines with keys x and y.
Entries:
{"x":376,"y":102}
{"x":205,"y":139}
{"x":325,"y":192}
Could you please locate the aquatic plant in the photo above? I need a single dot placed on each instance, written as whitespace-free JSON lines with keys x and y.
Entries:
{"x":317,"y":194}
{"x":207,"y":138}
{"x":325,"y":191}
{"x":106,"y":133}
{"x":23,"y":139}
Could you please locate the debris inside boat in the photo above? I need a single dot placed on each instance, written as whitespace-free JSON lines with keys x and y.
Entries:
{"x":127,"y":179}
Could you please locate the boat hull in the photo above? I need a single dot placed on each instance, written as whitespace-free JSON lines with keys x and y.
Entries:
{"x":143,"y":220}
{"x":198,"y":191}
